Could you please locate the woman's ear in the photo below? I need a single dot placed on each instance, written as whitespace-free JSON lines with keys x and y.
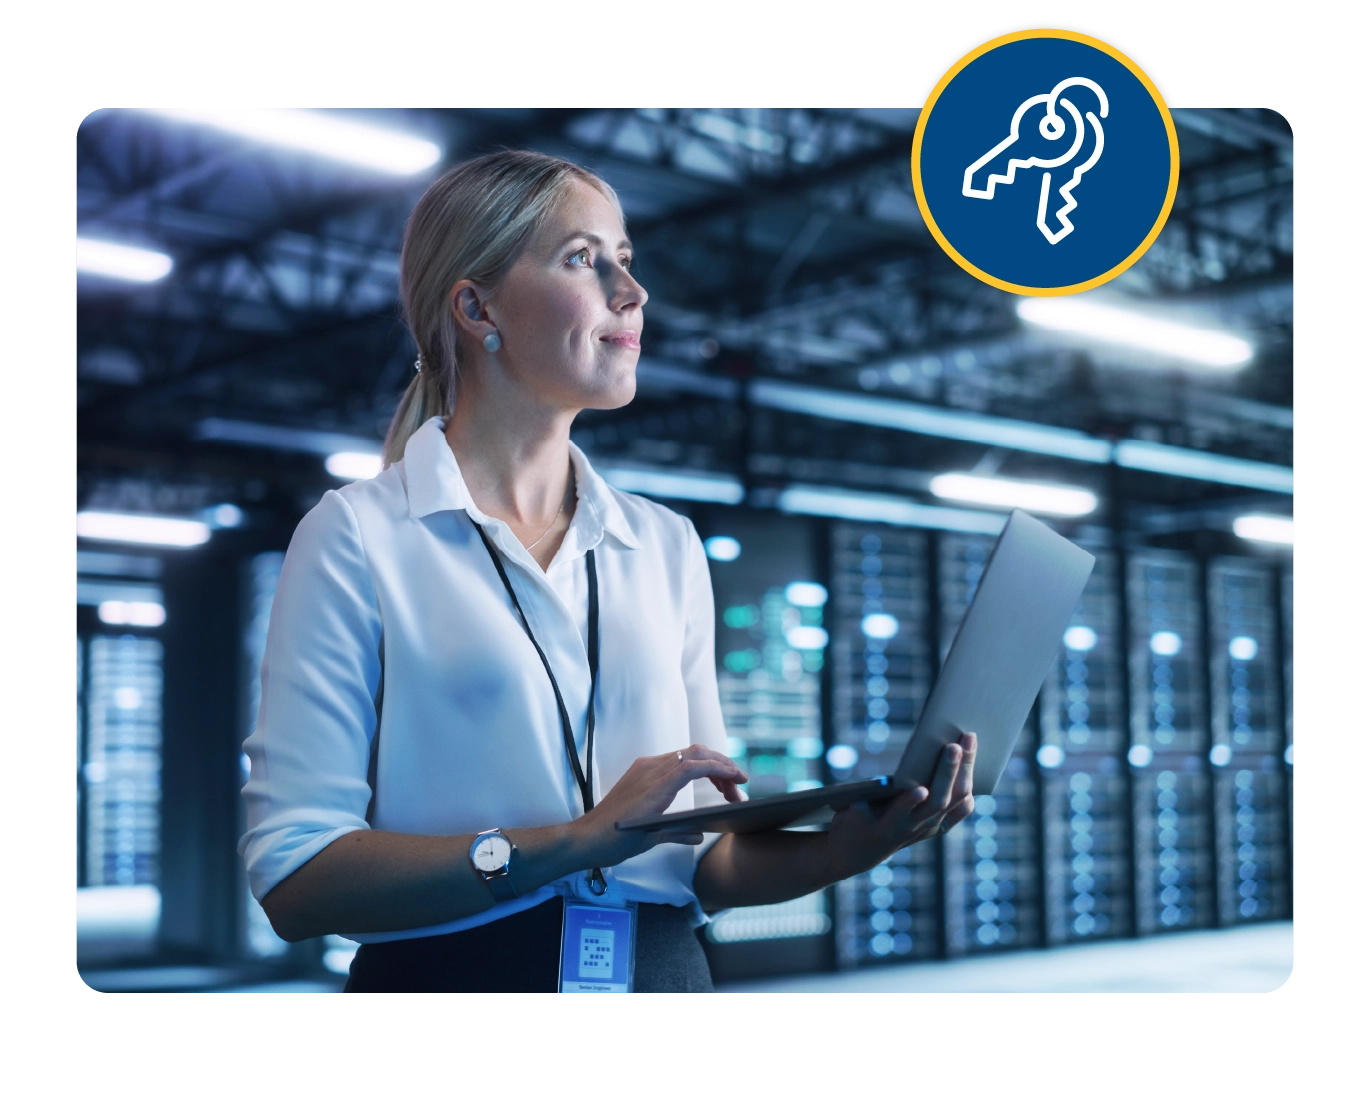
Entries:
{"x":468,"y":310}
{"x":468,"y":303}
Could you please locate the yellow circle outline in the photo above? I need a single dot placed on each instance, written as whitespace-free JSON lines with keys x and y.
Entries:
{"x":1074,"y":288}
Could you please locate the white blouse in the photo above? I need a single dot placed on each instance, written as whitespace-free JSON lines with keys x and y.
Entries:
{"x":392,"y":569}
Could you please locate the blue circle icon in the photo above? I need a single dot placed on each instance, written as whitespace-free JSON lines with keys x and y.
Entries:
{"x":1045,"y":162}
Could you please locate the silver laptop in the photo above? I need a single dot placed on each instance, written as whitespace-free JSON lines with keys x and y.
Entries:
{"x":998,"y":660}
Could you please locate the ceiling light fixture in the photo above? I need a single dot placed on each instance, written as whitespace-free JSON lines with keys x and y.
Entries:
{"x":851,"y":505}
{"x":675,"y":486}
{"x":1206,"y":347}
{"x":325,"y":135}
{"x":129,"y":527}
{"x":136,"y":265}
{"x":353,"y":466}
{"x":1043,"y":497}
{"x":929,"y":420}
{"x":1265,"y":529}
{"x":1184,"y":462}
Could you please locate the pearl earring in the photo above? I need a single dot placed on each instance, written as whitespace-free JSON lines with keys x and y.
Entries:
{"x":492,"y":342}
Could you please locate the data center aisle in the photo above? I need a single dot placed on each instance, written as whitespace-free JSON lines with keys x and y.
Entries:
{"x":1249,"y":959}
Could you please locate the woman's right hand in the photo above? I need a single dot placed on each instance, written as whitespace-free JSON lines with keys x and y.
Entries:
{"x":648,"y":787}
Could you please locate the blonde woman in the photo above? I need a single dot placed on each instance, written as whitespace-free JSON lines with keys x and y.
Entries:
{"x":483,"y":658}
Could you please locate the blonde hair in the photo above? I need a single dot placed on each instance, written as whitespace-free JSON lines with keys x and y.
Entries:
{"x":472,"y":223}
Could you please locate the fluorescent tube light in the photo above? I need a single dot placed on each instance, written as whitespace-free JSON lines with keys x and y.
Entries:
{"x":929,"y":420}
{"x":848,"y":505}
{"x":127,"y":527}
{"x":1206,"y":347}
{"x":1205,"y":466}
{"x":685,"y":487}
{"x":94,"y":593}
{"x":326,"y":135}
{"x":137,"y":265}
{"x":136,"y":613}
{"x":662,"y":375}
{"x":1017,"y":435}
{"x":352,"y":466}
{"x":252,"y":434}
{"x":1265,"y":529}
{"x":1054,"y":500}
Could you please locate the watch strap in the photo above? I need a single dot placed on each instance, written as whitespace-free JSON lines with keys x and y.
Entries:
{"x":500,"y":885}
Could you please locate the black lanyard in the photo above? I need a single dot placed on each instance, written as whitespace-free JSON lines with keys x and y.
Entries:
{"x":583,"y":776}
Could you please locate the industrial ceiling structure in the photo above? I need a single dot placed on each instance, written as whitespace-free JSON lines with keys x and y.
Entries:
{"x":804,"y":329}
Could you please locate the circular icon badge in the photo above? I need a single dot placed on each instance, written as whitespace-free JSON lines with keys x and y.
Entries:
{"x":1045,"y":162}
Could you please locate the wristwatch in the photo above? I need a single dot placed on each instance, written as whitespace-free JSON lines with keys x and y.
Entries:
{"x":490,"y":855}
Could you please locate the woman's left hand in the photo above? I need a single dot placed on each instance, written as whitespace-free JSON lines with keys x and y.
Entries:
{"x":860,"y":837}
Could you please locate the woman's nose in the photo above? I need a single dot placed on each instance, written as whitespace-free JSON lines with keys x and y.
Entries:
{"x":627,"y":291}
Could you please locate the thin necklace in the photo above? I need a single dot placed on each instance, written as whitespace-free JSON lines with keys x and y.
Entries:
{"x":557,"y":517}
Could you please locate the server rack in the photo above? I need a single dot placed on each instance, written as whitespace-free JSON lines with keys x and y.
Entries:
{"x":770,"y":639}
{"x":119,"y":689}
{"x":122,"y":767}
{"x":881,"y":654}
{"x":992,"y":882}
{"x":1131,"y":805}
{"x":1172,"y":791}
{"x":1250,"y":807}
{"x":1287,"y":638}
{"x":1085,"y":786}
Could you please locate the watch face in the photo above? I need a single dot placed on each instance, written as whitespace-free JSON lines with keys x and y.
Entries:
{"x":491,"y":853}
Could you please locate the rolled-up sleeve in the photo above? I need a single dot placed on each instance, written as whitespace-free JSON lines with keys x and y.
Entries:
{"x":699,"y":670}
{"x":320,"y":674}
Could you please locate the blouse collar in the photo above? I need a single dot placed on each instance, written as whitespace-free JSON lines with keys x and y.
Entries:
{"x":433,"y":483}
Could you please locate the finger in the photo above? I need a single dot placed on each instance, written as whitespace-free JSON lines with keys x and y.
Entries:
{"x":730,"y":790}
{"x":959,"y":812}
{"x":696,"y":754}
{"x":688,"y":771}
{"x":665,"y":838}
{"x":863,"y":812}
{"x":965,"y":776}
{"x":899,"y":811}
{"x":947,"y":768}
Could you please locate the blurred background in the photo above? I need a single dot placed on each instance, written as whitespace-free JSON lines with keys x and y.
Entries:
{"x":846,"y":417}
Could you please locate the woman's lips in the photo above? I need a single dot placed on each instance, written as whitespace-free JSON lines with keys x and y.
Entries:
{"x":623,"y":338}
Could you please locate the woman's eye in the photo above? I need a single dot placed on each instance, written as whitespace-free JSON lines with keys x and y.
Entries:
{"x":581,"y":258}
{"x":626,"y":261}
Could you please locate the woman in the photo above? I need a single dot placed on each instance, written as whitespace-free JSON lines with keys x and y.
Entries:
{"x":429,"y":776}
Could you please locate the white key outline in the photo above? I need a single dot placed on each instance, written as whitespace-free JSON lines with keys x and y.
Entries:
{"x":1051,"y":127}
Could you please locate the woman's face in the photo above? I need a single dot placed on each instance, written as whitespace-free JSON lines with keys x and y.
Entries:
{"x":568,"y":312}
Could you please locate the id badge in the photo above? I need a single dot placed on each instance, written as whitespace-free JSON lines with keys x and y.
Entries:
{"x":598,"y":946}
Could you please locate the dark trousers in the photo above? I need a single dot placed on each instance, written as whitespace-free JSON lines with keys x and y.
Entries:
{"x":521,"y":953}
